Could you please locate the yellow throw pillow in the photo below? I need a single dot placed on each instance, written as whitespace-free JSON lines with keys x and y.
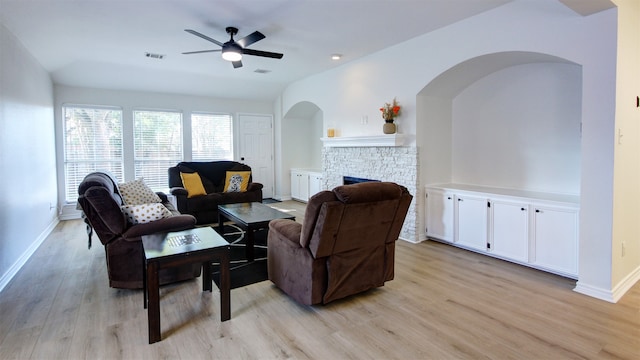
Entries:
{"x":237,"y":181}
{"x":193,"y":184}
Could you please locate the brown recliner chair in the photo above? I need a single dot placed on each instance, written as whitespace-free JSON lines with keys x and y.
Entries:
{"x":101,"y":203}
{"x":345,"y":245}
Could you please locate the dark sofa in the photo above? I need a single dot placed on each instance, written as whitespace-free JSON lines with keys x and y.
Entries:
{"x":213,"y":175}
{"x":100,"y":200}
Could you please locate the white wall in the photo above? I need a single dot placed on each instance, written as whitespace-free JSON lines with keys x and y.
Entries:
{"x":544,"y":27}
{"x":301,"y":130}
{"x":131,"y":100}
{"x":626,"y":266}
{"x":27,"y":160}
{"x":519,"y":128}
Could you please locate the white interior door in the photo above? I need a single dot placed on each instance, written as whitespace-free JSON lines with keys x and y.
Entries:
{"x":256,"y":148}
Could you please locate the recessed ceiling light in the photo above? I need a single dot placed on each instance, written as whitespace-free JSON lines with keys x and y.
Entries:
{"x":336,"y":56}
{"x":262,"y":71}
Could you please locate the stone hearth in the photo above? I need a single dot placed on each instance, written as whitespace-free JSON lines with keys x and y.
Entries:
{"x":397,"y":164}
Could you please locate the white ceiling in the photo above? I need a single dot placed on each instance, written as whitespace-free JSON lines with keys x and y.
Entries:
{"x":102,"y":43}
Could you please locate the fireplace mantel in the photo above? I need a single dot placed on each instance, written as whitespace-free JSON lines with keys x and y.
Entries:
{"x":364,"y":141}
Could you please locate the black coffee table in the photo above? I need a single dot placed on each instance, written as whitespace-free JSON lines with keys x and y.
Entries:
{"x":167,"y":250}
{"x":249,"y":217}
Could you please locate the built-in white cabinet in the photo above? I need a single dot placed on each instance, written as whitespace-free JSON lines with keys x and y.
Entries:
{"x":471,"y":221}
{"x":440,"y":209}
{"x":555,"y":238}
{"x":509,"y":229}
{"x":315,"y":183}
{"x":305,"y":183}
{"x":534,"y":229}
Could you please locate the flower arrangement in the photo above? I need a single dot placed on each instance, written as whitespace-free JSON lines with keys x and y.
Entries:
{"x":390,"y":111}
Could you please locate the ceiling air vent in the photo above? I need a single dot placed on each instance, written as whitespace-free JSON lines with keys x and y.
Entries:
{"x":262,"y":71}
{"x":154,"y":56}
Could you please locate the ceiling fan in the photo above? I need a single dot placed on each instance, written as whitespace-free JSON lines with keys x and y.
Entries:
{"x":233,"y":50}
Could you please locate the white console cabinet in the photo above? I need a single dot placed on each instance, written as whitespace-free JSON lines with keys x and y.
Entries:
{"x":555,"y":238}
{"x":471,"y":221}
{"x":509,"y":229}
{"x":539,"y":230}
{"x":440,"y":209}
{"x":305,"y":183}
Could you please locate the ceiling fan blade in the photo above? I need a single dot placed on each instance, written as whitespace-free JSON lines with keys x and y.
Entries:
{"x":250,"y":39}
{"x":237,"y":64}
{"x":193,"y":32}
{"x":262,"y":53}
{"x":200,"y":52}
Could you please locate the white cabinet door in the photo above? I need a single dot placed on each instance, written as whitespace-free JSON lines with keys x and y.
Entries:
{"x":509,"y":230}
{"x":555,"y":238}
{"x":304,"y":187}
{"x":471,"y":221}
{"x":440,"y":215}
{"x":315,"y":183}
{"x":295,"y":184}
{"x":300,"y":185}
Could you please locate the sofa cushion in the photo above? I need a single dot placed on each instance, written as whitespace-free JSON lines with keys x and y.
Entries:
{"x":145,"y":213}
{"x":193,"y":183}
{"x":212,"y":173}
{"x":136,"y":192}
{"x":237,"y":181}
{"x":101,"y":179}
{"x":207,"y":183}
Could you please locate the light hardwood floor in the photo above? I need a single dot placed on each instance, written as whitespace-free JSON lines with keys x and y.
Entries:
{"x":444,"y":303}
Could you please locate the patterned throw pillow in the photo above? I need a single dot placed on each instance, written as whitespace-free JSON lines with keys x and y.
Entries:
{"x":136,"y":192}
{"x":145,"y":213}
{"x":237,"y":181}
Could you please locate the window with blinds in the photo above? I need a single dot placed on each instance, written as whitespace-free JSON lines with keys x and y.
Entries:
{"x":211,"y":137}
{"x":92,"y":142}
{"x":157,"y":142}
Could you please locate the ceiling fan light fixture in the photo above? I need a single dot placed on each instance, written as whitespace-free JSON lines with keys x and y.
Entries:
{"x":231,"y":55}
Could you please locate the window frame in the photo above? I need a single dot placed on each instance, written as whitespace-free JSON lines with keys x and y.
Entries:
{"x":158,"y":180}
{"x":115,"y":165}
{"x":194,"y":141}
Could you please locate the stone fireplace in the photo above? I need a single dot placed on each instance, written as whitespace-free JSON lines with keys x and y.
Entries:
{"x":397,"y":164}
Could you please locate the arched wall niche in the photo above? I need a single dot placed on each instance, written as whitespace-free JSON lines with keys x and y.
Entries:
{"x":508,"y":119}
{"x":302,"y":128}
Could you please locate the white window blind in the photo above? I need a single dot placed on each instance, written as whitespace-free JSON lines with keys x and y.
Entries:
{"x":92,"y":142}
{"x":211,"y":137}
{"x":157,"y":141}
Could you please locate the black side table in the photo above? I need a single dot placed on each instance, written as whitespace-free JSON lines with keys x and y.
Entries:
{"x":167,"y":250}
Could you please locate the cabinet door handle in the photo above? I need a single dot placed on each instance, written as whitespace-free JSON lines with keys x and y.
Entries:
{"x":449,"y":198}
{"x":459,"y":199}
{"x":538,"y":211}
{"x":523,"y":209}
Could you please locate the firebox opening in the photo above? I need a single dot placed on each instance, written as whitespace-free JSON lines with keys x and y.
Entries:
{"x":348,"y":180}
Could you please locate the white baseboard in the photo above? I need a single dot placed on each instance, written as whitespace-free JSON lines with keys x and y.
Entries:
{"x":13,"y":270}
{"x":594,"y":291}
{"x":614,"y":294}
{"x":627,"y":283}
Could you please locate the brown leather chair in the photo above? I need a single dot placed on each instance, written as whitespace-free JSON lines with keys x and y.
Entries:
{"x":101,"y":203}
{"x":345,"y":245}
